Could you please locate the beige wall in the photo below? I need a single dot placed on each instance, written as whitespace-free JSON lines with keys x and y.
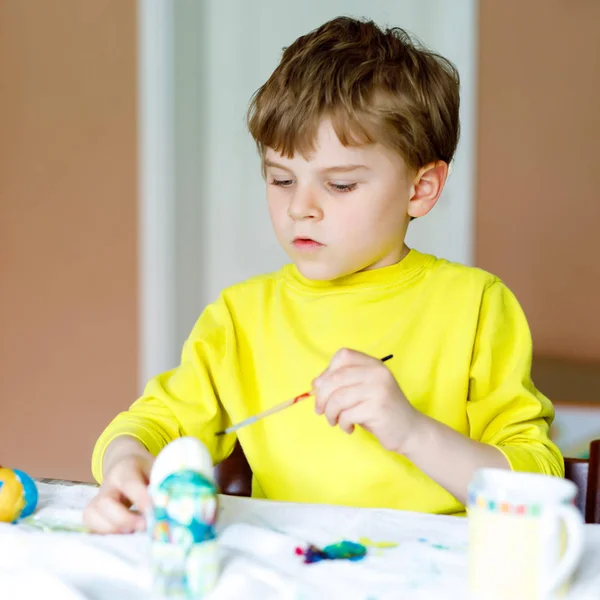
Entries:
{"x":538,"y":198}
{"x":68,"y":280}
{"x":68,"y":306}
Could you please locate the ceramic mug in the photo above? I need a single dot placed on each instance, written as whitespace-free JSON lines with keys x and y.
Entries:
{"x":525,"y":535}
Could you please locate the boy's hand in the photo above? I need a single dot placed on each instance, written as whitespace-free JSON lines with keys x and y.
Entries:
{"x":357,"y":389}
{"x":125,"y":483}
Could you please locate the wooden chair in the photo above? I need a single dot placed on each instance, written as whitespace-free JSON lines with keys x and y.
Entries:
{"x":585,"y":473}
{"x":233,"y":475}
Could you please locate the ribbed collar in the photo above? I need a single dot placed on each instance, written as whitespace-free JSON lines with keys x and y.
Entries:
{"x":412,"y":264}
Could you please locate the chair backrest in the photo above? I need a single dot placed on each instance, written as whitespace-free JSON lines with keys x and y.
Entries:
{"x":586,"y":474}
{"x":576,"y":470}
{"x":233,"y":475}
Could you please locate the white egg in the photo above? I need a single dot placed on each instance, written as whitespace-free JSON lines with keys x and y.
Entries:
{"x":182,"y":453}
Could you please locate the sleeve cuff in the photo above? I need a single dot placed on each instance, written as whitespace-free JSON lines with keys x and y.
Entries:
{"x":146,"y":437}
{"x":531,"y":460}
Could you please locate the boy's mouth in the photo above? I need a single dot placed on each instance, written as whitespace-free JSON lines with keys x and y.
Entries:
{"x":304,"y":244}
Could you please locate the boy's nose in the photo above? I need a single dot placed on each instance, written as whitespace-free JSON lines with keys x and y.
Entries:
{"x":304,"y":205}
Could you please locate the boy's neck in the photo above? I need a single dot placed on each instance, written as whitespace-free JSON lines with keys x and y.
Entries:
{"x":390,"y":260}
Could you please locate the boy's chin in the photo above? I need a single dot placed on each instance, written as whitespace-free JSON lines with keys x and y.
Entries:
{"x":319,"y":271}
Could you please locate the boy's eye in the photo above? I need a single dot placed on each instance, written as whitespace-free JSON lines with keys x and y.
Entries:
{"x":342,"y":187}
{"x":282,"y":182}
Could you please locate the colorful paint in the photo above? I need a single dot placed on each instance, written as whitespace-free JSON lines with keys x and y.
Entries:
{"x":301,"y":397}
{"x":380,"y":545}
{"x":344,"y":550}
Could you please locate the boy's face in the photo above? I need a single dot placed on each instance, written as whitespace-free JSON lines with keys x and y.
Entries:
{"x":342,"y":209}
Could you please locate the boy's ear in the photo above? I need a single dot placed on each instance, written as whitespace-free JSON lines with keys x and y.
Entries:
{"x":426,"y":188}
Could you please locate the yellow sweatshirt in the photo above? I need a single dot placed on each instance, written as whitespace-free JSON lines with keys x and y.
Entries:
{"x":462,"y":355}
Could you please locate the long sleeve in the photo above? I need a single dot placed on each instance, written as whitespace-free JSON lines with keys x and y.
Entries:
{"x":183,"y":401}
{"x":504,"y":407}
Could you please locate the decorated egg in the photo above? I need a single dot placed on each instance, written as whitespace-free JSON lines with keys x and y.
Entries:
{"x":31,"y":493}
{"x":18,"y":495}
{"x":181,"y":522}
{"x":182,"y":454}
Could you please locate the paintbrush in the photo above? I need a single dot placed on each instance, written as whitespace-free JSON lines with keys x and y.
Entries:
{"x":275,"y":409}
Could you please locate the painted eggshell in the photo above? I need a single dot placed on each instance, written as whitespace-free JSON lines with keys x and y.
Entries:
{"x":185,"y":453}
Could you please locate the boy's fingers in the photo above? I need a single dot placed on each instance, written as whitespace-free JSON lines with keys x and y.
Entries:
{"x":342,"y":399}
{"x":96,"y":523}
{"x":97,"y":515}
{"x":136,"y":490}
{"x":342,"y":377}
{"x":346,"y":357}
{"x":350,"y":417}
{"x":342,"y":358}
{"x":120,"y":517}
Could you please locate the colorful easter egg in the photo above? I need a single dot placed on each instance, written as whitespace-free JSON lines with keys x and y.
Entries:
{"x":31,"y":493}
{"x":184,"y":552}
{"x":185,"y":453}
{"x":12,"y":496}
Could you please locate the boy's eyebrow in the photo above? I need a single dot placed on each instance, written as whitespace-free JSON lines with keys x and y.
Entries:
{"x":336,"y":168}
{"x":276,"y":165}
{"x":344,"y":168}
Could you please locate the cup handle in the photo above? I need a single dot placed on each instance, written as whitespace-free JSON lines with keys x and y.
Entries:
{"x":566,"y":566}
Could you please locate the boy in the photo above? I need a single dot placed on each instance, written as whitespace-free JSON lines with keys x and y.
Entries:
{"x":356,"y":128}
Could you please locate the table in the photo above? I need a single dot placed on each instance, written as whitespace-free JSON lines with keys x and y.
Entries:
{"x":258,"y":539}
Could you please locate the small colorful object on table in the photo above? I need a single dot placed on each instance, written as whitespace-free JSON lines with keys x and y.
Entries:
{"x":18,"y":495}
{"x":344,"y":550}
{"x":182,"y":523}
{"x":381,"y":545}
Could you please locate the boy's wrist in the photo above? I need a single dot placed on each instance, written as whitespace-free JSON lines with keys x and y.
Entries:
{"x":119,"y":448}
{"x":418,"y":438}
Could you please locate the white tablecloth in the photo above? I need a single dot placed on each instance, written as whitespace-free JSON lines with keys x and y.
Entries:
{"x":258,"y":539}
